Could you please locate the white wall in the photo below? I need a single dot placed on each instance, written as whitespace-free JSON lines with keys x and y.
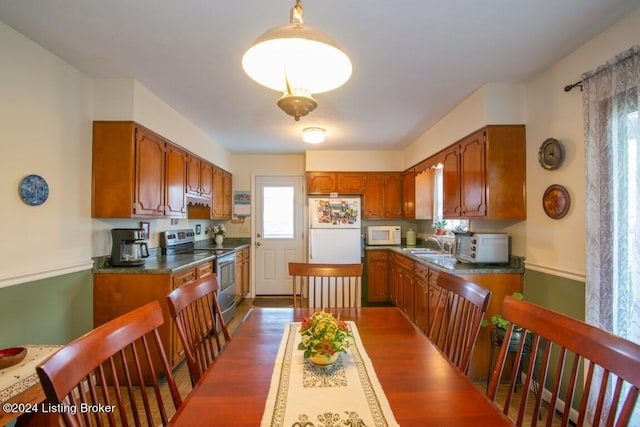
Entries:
{"x":246,"y":166}
{"x":45,"y":122}
{"x":345,"y":161}
{"x":491,"y":104}
{"x":46,"y":111}
{"x":558,"y":246}
{"x":127,"y":99}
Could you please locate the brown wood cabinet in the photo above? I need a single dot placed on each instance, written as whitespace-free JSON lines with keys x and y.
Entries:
{"x":424,"y":188}
{"x":414,"y":290}
{"x":382,"y":196}
{"x":403,"y":283}
{"x":484,"y":174}
{"x":199,"y":178}
{"x":136,"y":173}
{"x":116,"y":294}
{"x":222,"y":197}
{"x":175,"y":206}
{"x":335,"y":182}
{"x":409,"y":194}
{"x":242,"y":273}
{"x":377,"y":275}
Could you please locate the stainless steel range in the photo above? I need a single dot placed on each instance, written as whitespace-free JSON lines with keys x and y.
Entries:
{"x":175,"y":242}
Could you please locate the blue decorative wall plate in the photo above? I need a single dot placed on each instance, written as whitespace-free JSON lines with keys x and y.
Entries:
{"x":34,"y":190}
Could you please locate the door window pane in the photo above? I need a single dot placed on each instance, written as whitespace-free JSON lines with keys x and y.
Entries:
{"x":278,"y":209}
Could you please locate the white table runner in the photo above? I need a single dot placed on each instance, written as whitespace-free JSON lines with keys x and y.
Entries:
{"x":346,"y":393}
{"x":18,"y":378}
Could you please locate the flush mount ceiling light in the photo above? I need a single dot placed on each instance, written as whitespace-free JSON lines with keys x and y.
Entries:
{"x":299,"y":61}
{"x":313,"y":135}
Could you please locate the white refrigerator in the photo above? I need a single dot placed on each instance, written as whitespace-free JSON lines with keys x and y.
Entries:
{"x":334,"y":234}
{"x":334,"y":230}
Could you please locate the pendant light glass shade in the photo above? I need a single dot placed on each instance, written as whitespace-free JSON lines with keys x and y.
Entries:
{"x":299,"y":61}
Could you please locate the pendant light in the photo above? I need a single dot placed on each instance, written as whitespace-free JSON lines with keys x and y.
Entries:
{"x":299,"y":61}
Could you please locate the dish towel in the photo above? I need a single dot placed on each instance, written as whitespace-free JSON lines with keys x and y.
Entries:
{"x":345,"y":393}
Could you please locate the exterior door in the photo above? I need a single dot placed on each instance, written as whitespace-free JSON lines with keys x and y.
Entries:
{"x":280,"y":232}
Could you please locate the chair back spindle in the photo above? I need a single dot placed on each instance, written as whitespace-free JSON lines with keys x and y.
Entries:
{"x":459,"y":309}
{"x":553,"y":354}
{"x":326,"y":285}
{"x":118,"y":365}
{"x":199,"y":323}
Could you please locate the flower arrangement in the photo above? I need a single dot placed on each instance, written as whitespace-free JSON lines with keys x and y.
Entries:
{"x":324,"y":335}
{"x":218,"y":230}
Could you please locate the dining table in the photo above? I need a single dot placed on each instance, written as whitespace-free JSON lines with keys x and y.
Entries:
{"x":421,"y":385}
{"x":20,"y":390}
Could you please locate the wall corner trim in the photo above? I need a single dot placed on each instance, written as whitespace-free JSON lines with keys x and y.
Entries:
{"x":572,"y":275}
{"x":45,"y":274}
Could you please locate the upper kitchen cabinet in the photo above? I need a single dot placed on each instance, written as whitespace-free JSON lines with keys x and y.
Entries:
{"x":484,"y":175}
{"x":409,"y":194}
{"x":222,"y":197}
{"x":136,"y":173}
{"x":199,"y":179}
{"x":382,"y":197}
{"x":424,"y":187}
{"x":335,"y":182}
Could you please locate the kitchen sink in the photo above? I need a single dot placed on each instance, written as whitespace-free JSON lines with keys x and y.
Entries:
{"x":423,"y":251}
{"x":435,"y":256}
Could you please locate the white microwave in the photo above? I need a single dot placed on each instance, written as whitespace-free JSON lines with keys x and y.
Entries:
{"x":384,"y":235}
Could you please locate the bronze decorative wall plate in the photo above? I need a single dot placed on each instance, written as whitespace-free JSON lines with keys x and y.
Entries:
{"x":551,"y":154}
{"x":556,"y":201}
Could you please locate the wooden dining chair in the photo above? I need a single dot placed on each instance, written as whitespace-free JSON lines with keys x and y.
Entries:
{"x":118,"y":365}
{"x":326,"y":285}
{"x":459,"y":309}
{"x":198,"y":319}
{"x":562,"y":350}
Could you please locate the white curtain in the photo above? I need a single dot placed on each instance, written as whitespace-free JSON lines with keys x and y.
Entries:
{"x":610,"y":103}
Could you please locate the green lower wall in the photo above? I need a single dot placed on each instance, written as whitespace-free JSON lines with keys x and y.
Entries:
{"x":47,"y":311}
{"x":562,"y":295}
{"x":565,"y":296}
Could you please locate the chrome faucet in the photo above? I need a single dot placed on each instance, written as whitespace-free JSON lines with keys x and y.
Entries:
{"x":437,"y":242}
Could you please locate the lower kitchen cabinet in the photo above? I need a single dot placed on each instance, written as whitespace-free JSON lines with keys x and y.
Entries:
{"x":377,"y":275}
{"x":425,"y":295}
{"x":500,"y":286}
{"x":242,"y":273}
{"x":117,"y":294}
{"x":402,"y":283}
{"x":413,"y":288}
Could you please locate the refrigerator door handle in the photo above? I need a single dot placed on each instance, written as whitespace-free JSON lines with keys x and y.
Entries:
{"x":310,"y":244}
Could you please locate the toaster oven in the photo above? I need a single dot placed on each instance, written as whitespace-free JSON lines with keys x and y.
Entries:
{"x":482,"y":248}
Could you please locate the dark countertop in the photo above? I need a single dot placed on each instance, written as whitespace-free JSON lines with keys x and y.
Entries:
{"x":168,"y":264}
{"x":451,"y":265}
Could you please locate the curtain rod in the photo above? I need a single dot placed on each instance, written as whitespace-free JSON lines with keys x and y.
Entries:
{"x":568,"y":88}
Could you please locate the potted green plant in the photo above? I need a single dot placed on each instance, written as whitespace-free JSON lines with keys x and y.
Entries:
{"x":501,"y":324}
{"x":440,"y":225}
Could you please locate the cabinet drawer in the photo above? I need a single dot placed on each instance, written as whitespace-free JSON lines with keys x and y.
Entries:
{"x":204,"y":269}
{"x":403,"y":262}
{"x":381,"y":255}
{"x":183,"y":277}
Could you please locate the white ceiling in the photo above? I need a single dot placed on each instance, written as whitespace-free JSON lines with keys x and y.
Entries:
{"x":413,"y":60}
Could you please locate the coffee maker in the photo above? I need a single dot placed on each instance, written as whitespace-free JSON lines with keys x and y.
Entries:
{"x":128,"y":247}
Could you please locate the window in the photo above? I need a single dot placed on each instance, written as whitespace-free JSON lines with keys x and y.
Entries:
{"x":278,"y":212}
{"x":611,"y":100}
